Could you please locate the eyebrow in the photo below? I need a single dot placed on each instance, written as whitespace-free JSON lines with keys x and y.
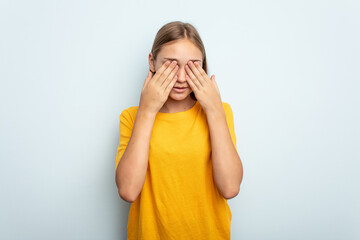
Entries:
{"x":172,"y":59}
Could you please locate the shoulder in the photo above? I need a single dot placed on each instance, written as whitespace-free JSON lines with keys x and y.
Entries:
{"x":228,"y":111}
{"x":226,"y":107}
{"x":129,"y":113}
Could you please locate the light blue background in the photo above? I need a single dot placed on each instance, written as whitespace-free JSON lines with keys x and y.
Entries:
{"x":289,"y":69}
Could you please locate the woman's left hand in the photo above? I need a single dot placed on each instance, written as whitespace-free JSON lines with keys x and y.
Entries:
{"x":205,"y":88}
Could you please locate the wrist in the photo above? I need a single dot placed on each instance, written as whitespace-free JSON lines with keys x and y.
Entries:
{"x":214,"y":109}
{"x":146,"y":114}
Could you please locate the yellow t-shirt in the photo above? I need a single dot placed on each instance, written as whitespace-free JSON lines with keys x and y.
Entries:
{"x":179,"y":199}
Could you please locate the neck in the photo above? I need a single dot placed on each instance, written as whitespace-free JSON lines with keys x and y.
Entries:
{"x":174,"y":106}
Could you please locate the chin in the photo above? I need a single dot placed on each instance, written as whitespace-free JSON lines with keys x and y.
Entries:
{"x":179,"y":96}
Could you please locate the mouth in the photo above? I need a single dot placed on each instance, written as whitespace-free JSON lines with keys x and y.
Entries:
{"x":179,"y":89}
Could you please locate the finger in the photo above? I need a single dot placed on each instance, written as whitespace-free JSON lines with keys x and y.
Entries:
{"x":201,"y":70}
{"x":167,"y":72}
{"x":213,"y":80}
{"x":196,"y":72}
{"x":191,"y":83}
{"x":171,"y":85}
{"x":192,"y":77}
{"x":170,"y":77}
{"x":147,"y":79}
{"x":160,"y":71}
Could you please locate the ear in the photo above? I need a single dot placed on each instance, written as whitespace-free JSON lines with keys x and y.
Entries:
{"x":151,"y":62}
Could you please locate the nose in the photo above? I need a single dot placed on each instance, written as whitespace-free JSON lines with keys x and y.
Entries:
{"x":181,"y":74}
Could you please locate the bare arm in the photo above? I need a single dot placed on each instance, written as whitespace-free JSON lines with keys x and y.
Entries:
{"x":132,"y":167}
{"x":131,"y":170}
{"x":227,"y":166}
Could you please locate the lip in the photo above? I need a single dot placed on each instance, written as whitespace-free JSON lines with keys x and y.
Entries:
{"x":180,"y":90}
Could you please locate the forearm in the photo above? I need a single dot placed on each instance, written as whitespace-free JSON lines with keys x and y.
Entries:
{"x":131,"y":170}
{"x":227,"y":166}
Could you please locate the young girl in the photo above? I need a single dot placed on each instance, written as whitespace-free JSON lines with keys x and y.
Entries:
{"x":177,"y":160}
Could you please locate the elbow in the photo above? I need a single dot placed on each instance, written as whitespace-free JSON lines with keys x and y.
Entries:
{"x":124,"y":192}
{"x":231,"y":193}
{"x":234,"y":189}
{"x":126,"y":196}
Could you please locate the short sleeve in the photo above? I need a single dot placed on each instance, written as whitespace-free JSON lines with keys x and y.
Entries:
{"x":126,"y":126}
{"x":230,"y":122}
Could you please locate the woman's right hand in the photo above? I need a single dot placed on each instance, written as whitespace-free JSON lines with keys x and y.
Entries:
{"x":156,"y":89}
